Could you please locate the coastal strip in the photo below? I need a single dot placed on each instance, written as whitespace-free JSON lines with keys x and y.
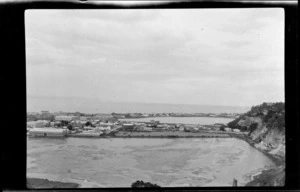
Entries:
{"x":171,"y":134}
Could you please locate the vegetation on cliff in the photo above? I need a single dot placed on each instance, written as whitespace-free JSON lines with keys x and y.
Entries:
{"x":265,"y":124}
{"x":271,"y":114}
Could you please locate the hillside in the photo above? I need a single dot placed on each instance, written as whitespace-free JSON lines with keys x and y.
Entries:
{"x":266,"y":126}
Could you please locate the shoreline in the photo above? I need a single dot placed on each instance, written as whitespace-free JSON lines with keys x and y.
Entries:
{"x":272,"y":176}
{"x":176,"y":116}
{"x":159,"y":134}
{"x":278,"y":161}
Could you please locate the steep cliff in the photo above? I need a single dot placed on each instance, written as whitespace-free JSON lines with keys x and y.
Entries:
{"x":266,"y":126}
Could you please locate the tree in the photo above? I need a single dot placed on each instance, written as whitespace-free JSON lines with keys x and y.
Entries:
{"x":253,"y":126}
{"x":222,"y":128}
{"x":70,"y":127}
{"x":139,"y":184}
{"x":88,"y":123}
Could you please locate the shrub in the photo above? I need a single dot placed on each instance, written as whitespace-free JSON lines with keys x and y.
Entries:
{"x":252,"y":127}
{"x":139,"y":184}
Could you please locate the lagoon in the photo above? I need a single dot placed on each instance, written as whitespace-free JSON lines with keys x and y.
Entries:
{"x":183,"y":120}
{"x":118,"y":162}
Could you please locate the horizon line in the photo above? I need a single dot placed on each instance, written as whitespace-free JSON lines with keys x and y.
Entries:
{"x":138,"y":102}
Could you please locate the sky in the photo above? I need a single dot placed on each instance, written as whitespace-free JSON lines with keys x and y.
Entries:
{"x":232,"y":57}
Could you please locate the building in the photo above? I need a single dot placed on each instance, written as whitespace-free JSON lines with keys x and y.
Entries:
{"x":47,"y":132}
{"x":147,"y":129}
{"x":194,"y":129}
{"x":103,"y":128}
{"x":152,"y":123}
{"x":128,"y":126}
{"x":39,"y":123}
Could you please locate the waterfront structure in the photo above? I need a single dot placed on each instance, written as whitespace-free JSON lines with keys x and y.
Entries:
{"x":47,"y":132}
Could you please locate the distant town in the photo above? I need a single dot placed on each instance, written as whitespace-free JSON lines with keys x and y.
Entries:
{"x":59,"y":124}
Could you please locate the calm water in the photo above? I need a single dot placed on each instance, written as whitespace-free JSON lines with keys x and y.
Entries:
{"x":184,"y":120}
{"x":118,"y":162}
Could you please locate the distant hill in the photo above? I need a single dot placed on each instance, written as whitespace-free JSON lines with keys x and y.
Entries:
{"x":266,"y":126}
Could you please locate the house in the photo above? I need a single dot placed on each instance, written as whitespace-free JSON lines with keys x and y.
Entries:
{"x":236,"y":130}
{"x":47,"y":132}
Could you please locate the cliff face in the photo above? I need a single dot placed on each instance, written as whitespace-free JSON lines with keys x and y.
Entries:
{"x":266,"y":126}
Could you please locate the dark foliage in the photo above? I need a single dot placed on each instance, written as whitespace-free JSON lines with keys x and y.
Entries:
{"x":272,"y":114}
{"x":139,"y":184}
{"x":70,"y":127}
{"x":222,"y":128}
{"x":88,"y":124}
{"x":64,"y":123}
{"x":252,"y":127}
{"x":233,"y":124}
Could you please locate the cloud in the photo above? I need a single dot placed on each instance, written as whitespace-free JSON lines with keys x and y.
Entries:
{"x":237,"y":44}
{"x":187,"y":56}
